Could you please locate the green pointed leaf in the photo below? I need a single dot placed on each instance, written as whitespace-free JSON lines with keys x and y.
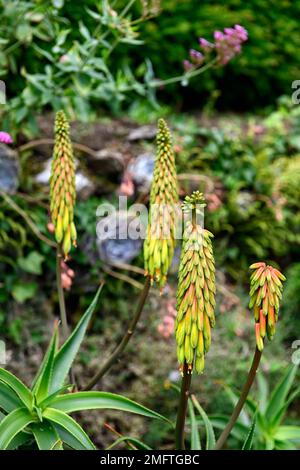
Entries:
{"x":46,"y":402}
{"x":101,"y":400}
{"x":234,"y":397}
{"x":58,"y":445}
{"x":281,"y":412}
{"x":263,"y":392}
{"x":12,"y":424}
{"x":66,"y":355}
{"x":18,"y":387}
{"x":44,"y":380}
{"x":37,"y":379}
{"x":288,"y":432}
{"x":239,"y":430}
{"x":270,"y":444}
{"x":138,"y":444}
{"x":45,"y":435}
{"x":210,"y":435}
{"x":19,"y":440}
{"x":249,"y":439}
{"x":279,"y":395}
{"x":68,"y":438}
{"x":285,"y":445}
{"x":9,"y":400}
{"x":70,"y":425}
{"x":195,"y":437}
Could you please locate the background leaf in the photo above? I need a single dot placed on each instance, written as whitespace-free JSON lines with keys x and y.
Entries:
{"x":101,"y":400}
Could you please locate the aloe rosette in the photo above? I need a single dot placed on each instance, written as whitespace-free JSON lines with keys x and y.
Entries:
{"x":42,"y":412}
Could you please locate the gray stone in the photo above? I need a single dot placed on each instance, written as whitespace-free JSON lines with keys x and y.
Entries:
{"x":141,"y":171}
{"x":107,"y":162}
{"x":142,"y":133}
{"x":111,"y":247}
{"x":9,"y":170}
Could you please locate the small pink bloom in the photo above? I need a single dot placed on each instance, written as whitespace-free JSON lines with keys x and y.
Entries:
{"x":206,"y":45}
{"x":196,"y":56}
{"x":218,"y":36}
{"x":187,"y":65}
{"x":51,"y":227}
{"x":5,"y":138}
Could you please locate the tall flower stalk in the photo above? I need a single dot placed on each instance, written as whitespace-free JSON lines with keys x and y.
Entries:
{"x":265,"y":295}
{"x":160,"y":242}
{"x":62,"y":202}
{"x":62,"y":186}
{"x":195,"y":301}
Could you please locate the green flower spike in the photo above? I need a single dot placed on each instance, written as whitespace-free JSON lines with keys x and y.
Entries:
{"x":196,"y":288}
{"x":160,"y":241}
{"x":62,"y":186}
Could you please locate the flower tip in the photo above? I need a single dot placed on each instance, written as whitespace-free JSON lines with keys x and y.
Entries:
{"x":257,"y":265}
{"x":5,"y":138}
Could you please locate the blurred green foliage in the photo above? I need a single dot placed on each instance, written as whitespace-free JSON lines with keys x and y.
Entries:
{"x":55,"y":56}
{"x":65,"y":54}
{"x":251,"y":180}
{"x":266,"y":68}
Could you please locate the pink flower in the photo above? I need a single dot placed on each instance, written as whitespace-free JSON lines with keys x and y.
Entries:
{"x":196,"y":56}
{"x":206,"y":45}
{"x":229,"y":43}
{"x":219,"y":36}
{"x":187,"y":65}
{"x":5,"y":138}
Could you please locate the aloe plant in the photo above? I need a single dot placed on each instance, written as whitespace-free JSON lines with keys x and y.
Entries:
{"x":41,"y":413}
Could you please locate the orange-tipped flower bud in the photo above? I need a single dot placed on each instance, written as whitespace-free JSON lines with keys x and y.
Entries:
{"x":196,"y":289}
{"x":265,"y":295}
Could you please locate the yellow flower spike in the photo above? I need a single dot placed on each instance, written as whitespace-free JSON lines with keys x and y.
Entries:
{"x":160,"y":241}
{"x":265,"y":294}
{"x":196,"y":288}
{"x":62,"y":186}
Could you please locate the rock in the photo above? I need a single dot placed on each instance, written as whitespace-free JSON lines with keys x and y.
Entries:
{"x":111,"y":248}
{"x":84,"y":185}
{"x":9,"y":170}
{"x":107,"y":162}
{"x":141,"y":171}
{"x":44,"y":176}
{"x":142,"y":133}
{"x":119,"y":251}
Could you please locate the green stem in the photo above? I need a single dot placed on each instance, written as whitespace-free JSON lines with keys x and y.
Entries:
{"x":61,"y":297}
{"x":182,"y":407}
{"x":187,"y":75}
{"x":62,"y":306}
{"x":125,"y":340}
{"x":238,"y":408}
